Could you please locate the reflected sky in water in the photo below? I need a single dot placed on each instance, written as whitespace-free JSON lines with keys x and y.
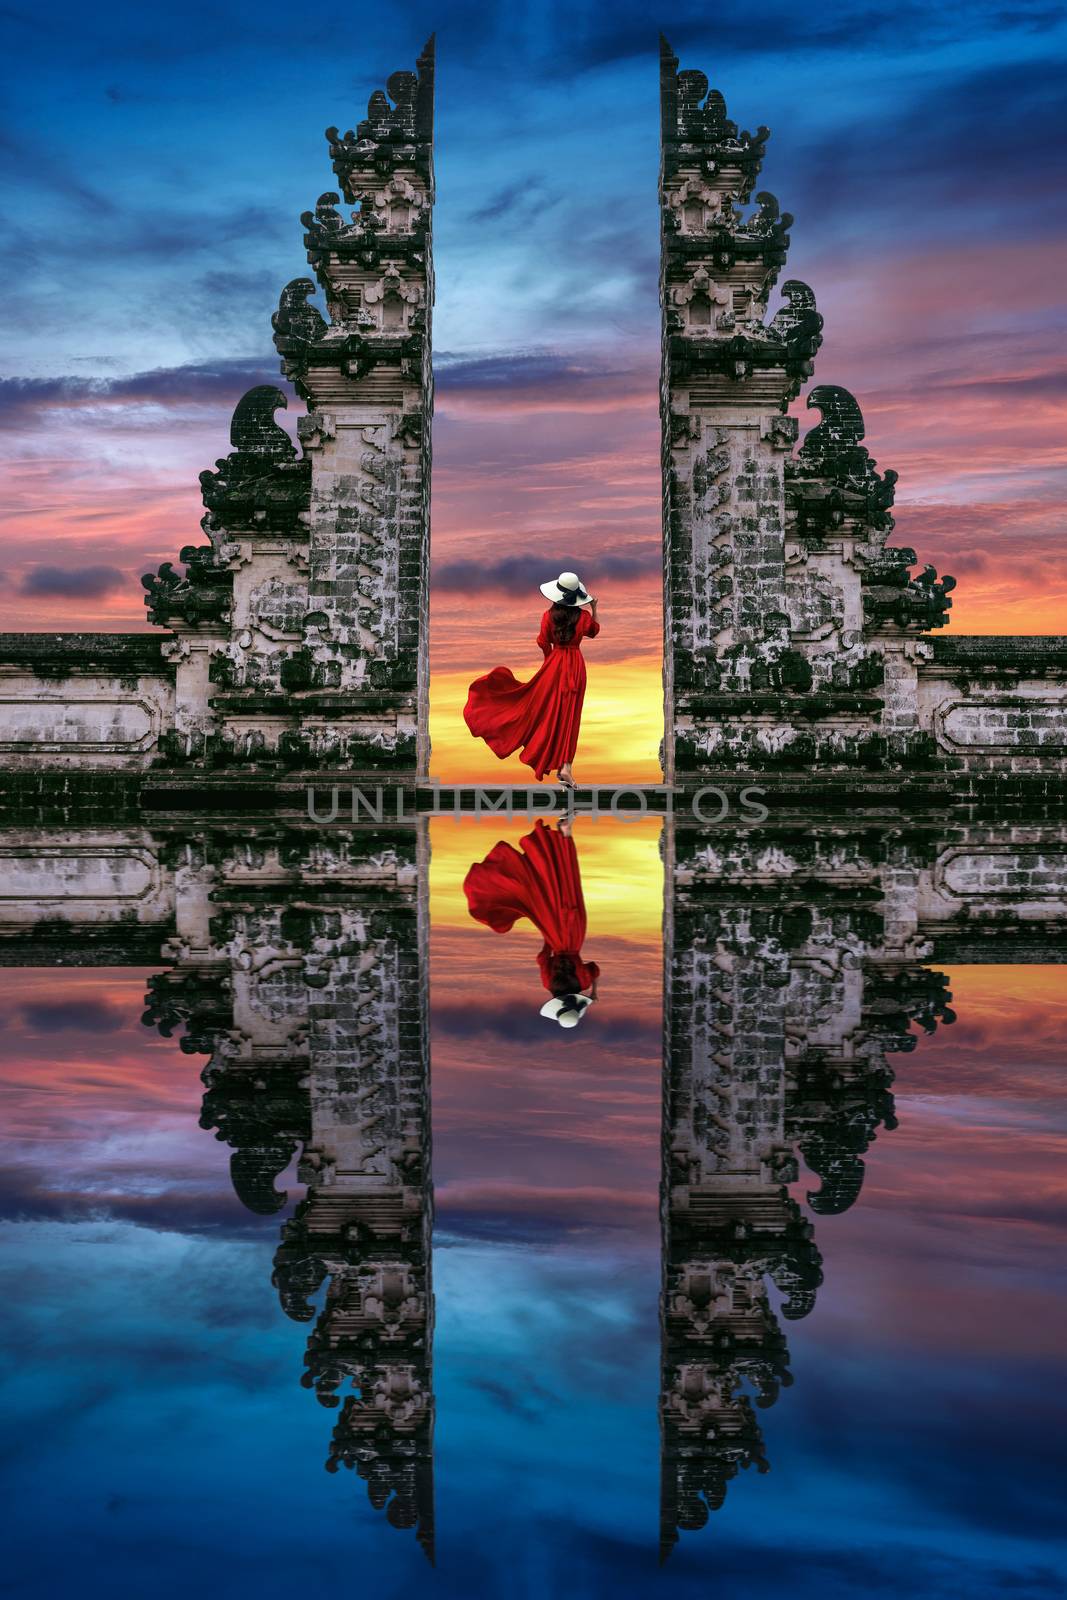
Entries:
{"x":158,"y":1439}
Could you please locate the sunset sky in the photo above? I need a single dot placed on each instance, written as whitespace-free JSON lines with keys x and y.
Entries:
{"x":159,"y":159}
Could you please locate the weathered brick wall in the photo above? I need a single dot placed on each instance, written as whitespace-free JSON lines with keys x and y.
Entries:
{"x":83,"y":701}
{"x":996,"y":703}
{"x":84,"y":878}
{"x":360,"y":677}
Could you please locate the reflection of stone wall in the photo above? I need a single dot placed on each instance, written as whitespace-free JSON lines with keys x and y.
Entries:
{"x":72,"y":884}
{"x":75,"y":878}
{"x":933,"y":881}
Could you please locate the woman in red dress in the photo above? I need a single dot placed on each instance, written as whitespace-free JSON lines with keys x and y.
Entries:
{"x":541,"y":718}
{"x":541,"y":880}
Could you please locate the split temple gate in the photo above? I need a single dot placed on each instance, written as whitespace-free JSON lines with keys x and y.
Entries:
{"x":799,"y":643}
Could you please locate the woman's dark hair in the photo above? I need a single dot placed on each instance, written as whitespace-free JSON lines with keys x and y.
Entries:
{"x":563,"y":974}
{"x":564,"y":622}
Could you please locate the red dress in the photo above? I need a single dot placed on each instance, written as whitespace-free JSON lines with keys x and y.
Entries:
{"x":541,"y":880}
{"x":540,"y":718}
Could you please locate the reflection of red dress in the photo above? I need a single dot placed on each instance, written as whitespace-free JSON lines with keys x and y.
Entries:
{"x":541,"y":880}
{"x":540,"y":718}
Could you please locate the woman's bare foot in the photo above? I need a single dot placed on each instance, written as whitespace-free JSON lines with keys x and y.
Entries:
{"x":566,"y":776}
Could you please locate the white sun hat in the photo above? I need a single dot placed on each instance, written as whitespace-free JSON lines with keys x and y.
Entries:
{"x":566,"y":1009}
{"x":566,"y":590}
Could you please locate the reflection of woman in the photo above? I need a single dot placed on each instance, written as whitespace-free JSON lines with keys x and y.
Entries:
{"x":541,"y":880}
{"x":541,"y":718}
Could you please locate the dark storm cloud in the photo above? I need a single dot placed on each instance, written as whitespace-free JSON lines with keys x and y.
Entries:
{"x":912,"y":1573}
{"x":597,"y":36}
{"x":527,"y":1026}
{"x":1041,"y":1211}
{"x":512,"y":369}
{"x":935,"y":1452}
{"x":522,"y":571}
{"x":26,"y":1196}
{"x":1035,"y":385}
{"x":62,"y":1016}
{"x":149,"y":231}
{"x":72,"y":583}
{"x":947,"y":140}
{"x":194,"y":384}
{"x":180,"y":233}
{"x":525,"y":1397}
{"x":967,"y":562}
{"x":120,"y":94}
{"x":495,"y":1222}
{"x":511,"y":198}
{"x":18,"y":158}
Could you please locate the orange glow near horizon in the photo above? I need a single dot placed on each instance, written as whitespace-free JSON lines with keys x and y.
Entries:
{"x":622,"y":725}
{"x":622,"y":873}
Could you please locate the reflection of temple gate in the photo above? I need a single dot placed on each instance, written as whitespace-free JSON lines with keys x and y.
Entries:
{"x":327,"y":1050}
{"x":795,"y":962}
{"x":298,"y":964}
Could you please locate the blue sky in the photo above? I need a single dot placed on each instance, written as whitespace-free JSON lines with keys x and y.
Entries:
{"x":163,"y":156}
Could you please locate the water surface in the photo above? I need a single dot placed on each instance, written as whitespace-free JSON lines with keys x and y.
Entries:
{"x":158,"y":1438}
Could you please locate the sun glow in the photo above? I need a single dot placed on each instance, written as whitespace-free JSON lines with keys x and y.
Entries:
{"x":622,"y":874}
{"x":622,"y":725}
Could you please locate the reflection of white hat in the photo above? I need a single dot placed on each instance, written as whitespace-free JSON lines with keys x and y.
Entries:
{"x":566,"y":1009}
{"x":566,"y":590}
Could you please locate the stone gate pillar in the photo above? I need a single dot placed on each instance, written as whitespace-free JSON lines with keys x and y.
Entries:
{"x":726,"y":380}
{"x":364,"y":370}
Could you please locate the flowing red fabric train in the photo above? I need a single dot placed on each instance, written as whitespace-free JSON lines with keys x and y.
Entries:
{"x":540,"y":719}
{"x":541,"y":880}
